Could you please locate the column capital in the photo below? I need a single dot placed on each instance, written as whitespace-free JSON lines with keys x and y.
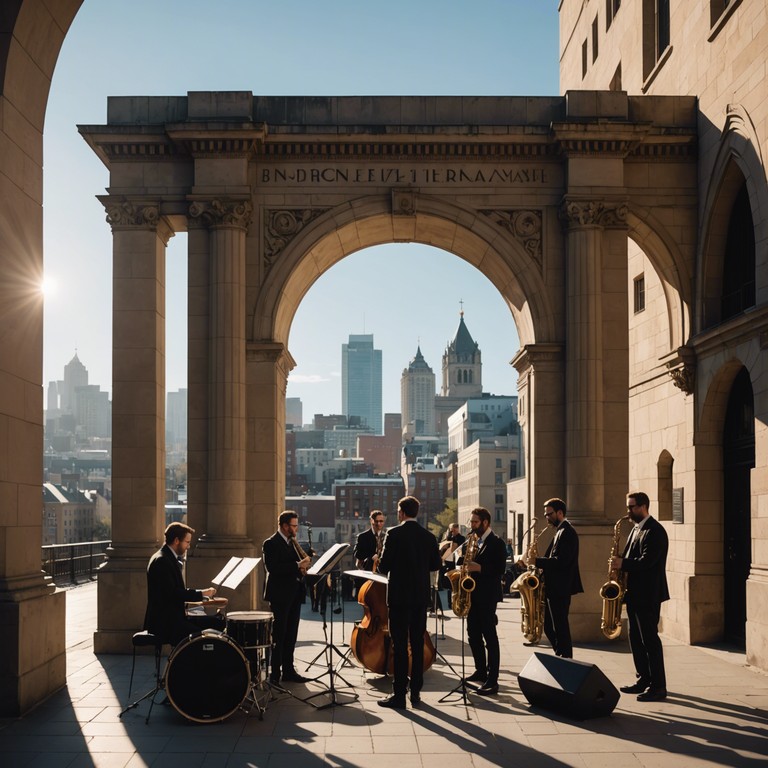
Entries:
{"x":583,"y":214}
{"x":217,"y":212}
{"x":271,"y":352}
{"x":538,"y":355}
{"x":125,"y":214}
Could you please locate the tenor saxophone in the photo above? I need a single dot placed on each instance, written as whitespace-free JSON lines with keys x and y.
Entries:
{"x":462,"y":584}
{"x":530,"y":585}
{"x":612,"y":592}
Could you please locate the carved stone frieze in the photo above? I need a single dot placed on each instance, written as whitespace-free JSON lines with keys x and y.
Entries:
{"x":281,"y":225}
{"x":222,"y":213}
{"x":684,"y":377}
{"x":593,"y":213}
{"x":524,"y":226}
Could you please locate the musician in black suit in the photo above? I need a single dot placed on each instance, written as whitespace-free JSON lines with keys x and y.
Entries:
{"x":644,"y":561}
{"x":285,"y":589}
{"x":166,"y":593}
{"x":409,"y":556}
{"x":487,"y":569}
{"x":368,"y":544}
{"x":560,"y":566}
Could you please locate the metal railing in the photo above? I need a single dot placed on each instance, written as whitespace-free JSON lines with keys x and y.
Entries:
{"x":71,"y":563}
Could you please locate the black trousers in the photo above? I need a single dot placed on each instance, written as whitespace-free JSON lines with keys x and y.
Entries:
{"x":644,"y":640}
{"x":285,"y":630}
{"x":483,"y":638}
{"x":407,"y":624}
{"x":556,"y":626}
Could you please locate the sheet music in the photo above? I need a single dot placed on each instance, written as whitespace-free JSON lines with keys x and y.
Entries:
{"x":368,"y":575}
{"x":235,"y":571}
{"x":328,"y":560}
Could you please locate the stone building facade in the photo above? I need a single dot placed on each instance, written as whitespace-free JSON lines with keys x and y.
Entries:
{"x":698,"y":376}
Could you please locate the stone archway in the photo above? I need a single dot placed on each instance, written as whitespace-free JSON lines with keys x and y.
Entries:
{"x":274,"y":191}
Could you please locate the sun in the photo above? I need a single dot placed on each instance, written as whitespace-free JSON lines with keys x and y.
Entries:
{"x":48,"y":287}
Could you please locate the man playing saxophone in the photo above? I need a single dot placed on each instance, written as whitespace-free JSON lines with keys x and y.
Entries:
{"x":487,"y":570}
{"x":369,"y":543}
{"x":286,"y":566}
{"x":560,"y":565}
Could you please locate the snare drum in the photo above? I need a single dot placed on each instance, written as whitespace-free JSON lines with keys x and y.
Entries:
{"x":207,"y":677}
{"x":250,"y":629}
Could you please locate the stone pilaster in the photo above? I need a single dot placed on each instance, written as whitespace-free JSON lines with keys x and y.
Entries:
{"x":269,"y":364}
{"x":139,"y":238}
{"x":225,"y":534}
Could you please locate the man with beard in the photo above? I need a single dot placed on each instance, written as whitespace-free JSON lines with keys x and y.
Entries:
{"x":560,"y":566}
{"x":644,"y":561}
{"x":285,"y":589}
{"x":487,"y":569}
{"x":369,"y":542}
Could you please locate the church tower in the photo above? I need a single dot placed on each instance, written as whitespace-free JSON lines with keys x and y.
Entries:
{"x":462,"y":365}
{"x":417,"y":396}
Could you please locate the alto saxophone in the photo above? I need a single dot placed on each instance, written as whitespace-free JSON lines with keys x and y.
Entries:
{"x":612,"y":592}
{"x":462,"y":584}
{"x":530,"y":585}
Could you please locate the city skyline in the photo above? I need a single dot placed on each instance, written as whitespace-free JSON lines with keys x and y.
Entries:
{"x":516,"y":55}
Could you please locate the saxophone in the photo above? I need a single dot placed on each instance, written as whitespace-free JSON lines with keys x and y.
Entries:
{"x":612,"y":592}
{"x":462,"y":584}
{"x":530,"y":585}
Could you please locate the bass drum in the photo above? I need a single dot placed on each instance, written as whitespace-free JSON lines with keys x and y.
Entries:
{"x":207,"y":677}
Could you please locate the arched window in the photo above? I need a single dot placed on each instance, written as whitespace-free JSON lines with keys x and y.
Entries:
{"x":739,"y":259}
{"x":664,"y":476}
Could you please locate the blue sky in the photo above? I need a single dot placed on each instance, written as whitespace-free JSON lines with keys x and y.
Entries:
{"x":294,"y":47}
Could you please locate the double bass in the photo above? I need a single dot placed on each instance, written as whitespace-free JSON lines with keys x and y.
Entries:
{"x":370,"y":641}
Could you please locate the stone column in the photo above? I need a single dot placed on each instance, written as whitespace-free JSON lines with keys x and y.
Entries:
{"x":139,"y":238}
{"x":269,"y":364}
{"x":541,"y":406}
{"x":596,"y":378}
{"x":226,"y":531}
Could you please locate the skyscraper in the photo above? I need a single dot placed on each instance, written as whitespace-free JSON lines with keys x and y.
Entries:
{"x":417,"y":396}
{"x":361,"y":381}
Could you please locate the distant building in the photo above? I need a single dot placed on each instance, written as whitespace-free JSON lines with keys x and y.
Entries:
{"x":382,"y":452}
{"x":361,"y":381}
{"x":75,"y":375}
{"x":417,"y":396}
{"x":486,"y":416}
{"x":93,"y":412}
{"x":318,"y":514}
{"x":176,"y":419}
{"x":462,"y":375}
{"x":294,"y":412}
{"x":69,"y":514}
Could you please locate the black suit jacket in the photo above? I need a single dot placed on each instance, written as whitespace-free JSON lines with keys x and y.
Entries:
{"x":492,"y":558}
{"x":645,"y":561}
{"x":365,"y":548}
{"x":166,"y":595}
{"x":409,"y":555}
{"x":560,"y":563}
{"x":284,"y":582}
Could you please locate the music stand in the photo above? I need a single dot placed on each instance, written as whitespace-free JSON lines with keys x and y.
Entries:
{"x":462,"y":686}
{"x":326,"y":566}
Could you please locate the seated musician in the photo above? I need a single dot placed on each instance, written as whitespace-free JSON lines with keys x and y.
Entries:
{"x":167,"y":594}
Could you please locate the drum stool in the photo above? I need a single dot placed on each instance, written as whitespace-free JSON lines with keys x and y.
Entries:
{"x":146,"y":639}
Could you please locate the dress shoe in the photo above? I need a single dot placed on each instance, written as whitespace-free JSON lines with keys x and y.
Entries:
{"x":488,"y":689}
{"x":476,"y":677}
{"x":392,"y":702}
{"x":416,"y":700}
{"x":294,"y":677}
{"x":658,"y":694}
{"x":637,"y":687}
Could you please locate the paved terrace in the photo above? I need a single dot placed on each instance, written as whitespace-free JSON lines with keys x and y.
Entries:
{"x":716,"y":714}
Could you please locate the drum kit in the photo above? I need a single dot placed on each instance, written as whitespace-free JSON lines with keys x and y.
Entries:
{"x":212,"y":674}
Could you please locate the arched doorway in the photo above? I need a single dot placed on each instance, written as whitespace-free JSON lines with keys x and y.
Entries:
{"x":738,"y":461}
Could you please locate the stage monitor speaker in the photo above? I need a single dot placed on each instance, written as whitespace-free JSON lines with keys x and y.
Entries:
{"x":575,"y":688}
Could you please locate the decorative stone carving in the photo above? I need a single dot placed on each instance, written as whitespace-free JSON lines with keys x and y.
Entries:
{"x":594,"y":213}
{"x":524,"y":226}
{"x":681,"y":366}
{"x":130,"y":214}
{"x":281,"y":225}
{"x":222,"y":213}
{"x":403,"y":202}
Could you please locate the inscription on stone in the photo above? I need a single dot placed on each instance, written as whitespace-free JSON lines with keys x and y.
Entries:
{"x":495,"y":175}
